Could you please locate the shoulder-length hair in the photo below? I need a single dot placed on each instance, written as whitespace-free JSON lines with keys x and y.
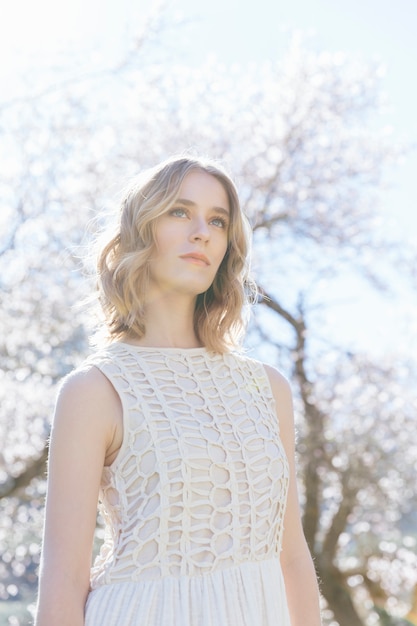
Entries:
{"x":123,"y":262}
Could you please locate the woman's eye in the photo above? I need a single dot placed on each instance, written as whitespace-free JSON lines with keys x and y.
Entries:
{"x":178,"y":212}
{"x":220,"y":222}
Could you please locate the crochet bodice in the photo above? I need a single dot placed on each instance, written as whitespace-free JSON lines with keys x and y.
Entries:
{"x":201,"y":478}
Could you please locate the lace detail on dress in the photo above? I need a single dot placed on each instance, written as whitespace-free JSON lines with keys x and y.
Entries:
{"x":200,"y":481}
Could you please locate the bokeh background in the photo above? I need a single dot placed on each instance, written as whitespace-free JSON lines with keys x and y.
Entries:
{"x":311,"y":106}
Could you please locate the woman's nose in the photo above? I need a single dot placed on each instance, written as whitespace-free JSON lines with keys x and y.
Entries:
{"x":200,"y":230}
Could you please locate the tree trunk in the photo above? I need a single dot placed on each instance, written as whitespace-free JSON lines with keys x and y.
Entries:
{"x":338,"y":598}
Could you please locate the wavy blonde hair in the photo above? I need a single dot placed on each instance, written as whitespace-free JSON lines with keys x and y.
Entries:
{"x":123,"y":261}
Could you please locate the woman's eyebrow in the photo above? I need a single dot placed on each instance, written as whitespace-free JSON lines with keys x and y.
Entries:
{"x":218,"y":209}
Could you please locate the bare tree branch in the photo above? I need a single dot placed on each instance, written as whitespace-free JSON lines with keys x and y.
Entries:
{"x":314,"y":419}
{"x":35,"y":469}
{"x":339,"y":521}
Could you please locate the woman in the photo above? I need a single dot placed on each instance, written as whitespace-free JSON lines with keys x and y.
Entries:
{"x":190,"y":444}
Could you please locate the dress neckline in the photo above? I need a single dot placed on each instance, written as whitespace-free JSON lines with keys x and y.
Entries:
{"x":172,"y":350}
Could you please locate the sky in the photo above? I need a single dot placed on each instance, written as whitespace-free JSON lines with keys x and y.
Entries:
{"x":35,"y":34}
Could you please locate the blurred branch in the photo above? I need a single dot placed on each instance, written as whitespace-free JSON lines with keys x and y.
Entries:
{"x":273,"y":304}
{"x":314,"y":417}
{"x":333,"y":581}
{"x":339,"y":521}
{"x":35,"y":469}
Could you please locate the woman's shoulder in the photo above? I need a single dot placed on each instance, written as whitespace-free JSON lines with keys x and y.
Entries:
{"x":278,"y":382}
{"x":90,"y":369}
{"x":87,"y":383}
{"x":274,"y":374}
{"x":83,"y":378}
{"x":88,"y":409}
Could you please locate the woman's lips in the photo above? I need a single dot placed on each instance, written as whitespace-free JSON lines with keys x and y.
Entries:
{"x":195,"y":257}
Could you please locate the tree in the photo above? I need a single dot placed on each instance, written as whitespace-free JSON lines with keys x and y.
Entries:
{"x":302,"y":138}
{"x":358,"y":444}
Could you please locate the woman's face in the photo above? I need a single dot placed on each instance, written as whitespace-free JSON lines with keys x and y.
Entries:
{"x":191,"y":238}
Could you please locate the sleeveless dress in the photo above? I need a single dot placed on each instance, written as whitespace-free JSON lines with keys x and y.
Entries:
{"x":194,"y":502}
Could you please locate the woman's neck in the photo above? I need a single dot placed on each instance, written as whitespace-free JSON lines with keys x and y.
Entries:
{"x":169,"y":323}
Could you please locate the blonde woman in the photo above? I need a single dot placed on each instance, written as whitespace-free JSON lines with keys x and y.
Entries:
{"x":187,"y":443}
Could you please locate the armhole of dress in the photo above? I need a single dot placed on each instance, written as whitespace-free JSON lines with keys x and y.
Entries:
{"x":274,"y":408}
{"x":112,"y":467}
{"x":271,"y":398}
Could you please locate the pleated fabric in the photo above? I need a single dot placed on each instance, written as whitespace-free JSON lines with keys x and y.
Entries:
{"x":195,"y":500}
{"x":251,"y":594}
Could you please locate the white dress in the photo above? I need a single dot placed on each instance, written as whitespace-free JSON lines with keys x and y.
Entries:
{"x":194,"y":501}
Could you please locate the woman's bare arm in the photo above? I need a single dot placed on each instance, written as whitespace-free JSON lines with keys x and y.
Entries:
{"x":297,"y":564}
{"x":86,"y":425}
